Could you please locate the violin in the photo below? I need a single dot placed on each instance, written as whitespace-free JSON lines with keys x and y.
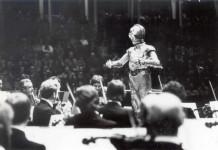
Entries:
{"x":207,"y":111}
{"x":114,"y":138}
{"x":211,"y":124}
{"x":34,"y":98}
{"x":121,"y":141}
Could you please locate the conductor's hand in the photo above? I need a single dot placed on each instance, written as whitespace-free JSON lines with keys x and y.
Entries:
{"x":108,"y":64}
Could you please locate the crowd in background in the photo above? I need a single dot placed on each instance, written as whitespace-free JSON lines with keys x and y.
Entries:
{"x":36,"y":54}
{"x":74,"y":50}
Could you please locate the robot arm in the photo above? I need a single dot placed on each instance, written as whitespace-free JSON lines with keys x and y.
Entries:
{"x":118,"y":63}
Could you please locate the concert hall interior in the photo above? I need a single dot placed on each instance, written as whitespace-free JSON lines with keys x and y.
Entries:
{"x":109,"y":74}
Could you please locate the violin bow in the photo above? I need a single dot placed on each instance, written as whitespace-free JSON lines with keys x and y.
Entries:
{"x":74,"y":108}
{"x":161,"y":86}
{"x":102,"y":88}
{"x":214,"y":95}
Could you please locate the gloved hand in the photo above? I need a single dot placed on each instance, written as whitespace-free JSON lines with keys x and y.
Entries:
{"x":109,"y":64}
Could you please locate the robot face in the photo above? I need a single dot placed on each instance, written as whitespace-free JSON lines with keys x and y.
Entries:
{"x":137,"y":33}
{"x":131,"y":35}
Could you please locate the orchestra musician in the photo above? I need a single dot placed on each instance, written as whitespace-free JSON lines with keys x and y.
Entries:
{"x":97,"y":82}
{"x":114,"y":110}
{"x":21,"y":106}
{"x":43,"y":111}
{"x":88,"y":102}
{"x":26,"y":87}
{"x":162,"y":116}
{"x":140,"y":57}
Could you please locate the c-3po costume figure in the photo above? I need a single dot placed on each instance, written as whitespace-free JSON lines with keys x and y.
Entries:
{"x":140,"y":57}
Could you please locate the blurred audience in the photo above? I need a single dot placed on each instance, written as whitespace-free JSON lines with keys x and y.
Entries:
{"x":75,"y":51}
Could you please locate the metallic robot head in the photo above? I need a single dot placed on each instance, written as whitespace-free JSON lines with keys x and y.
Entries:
{"x":137,"y":34}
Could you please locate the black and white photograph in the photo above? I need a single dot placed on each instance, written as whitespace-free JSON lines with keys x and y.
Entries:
{"x":108,"y":74}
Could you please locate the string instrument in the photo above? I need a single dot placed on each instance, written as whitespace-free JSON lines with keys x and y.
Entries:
{"x":211,"y":124}
{"x":34,"y":98}
{"x":207,"y":111}
{"x":116,"y":139}
{"x":92,"y":140}
{"x":121,"y":142}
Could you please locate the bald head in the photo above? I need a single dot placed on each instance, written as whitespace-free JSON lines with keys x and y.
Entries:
{"x":21,"y":106}
{"x":162,"y":113}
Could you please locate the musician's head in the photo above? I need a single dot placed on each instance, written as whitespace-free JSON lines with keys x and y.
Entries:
{"x":176,"y":88}
{"x":21,"y":106}
{"x":162,"y":114}
{"x":49,"y":90}
{"x":87,"y":98}
{"x":6,"y":116}
{"x":56,"y":79}
{"x":115,"y":90}
{"x":95,"y":81}
{"x":137,"y":34}
{"x":26,"y":86}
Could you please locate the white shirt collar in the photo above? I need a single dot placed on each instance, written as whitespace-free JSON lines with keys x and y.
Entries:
{"x":48,"y":101}
{"x":119,"y":103}
{"x":171,"y":139}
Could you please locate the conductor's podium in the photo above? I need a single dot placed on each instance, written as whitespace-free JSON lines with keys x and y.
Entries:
{"x":193,"y":134}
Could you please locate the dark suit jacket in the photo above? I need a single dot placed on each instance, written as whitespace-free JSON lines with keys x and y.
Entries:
{"x":42,"y":113}
{"x":113,"y":111}
{"x":20,"y":142}
{"x":140,"y":144}
{"x":89,"y":120}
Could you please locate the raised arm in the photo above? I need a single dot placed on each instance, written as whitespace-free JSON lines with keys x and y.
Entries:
{"x":118,"y":63}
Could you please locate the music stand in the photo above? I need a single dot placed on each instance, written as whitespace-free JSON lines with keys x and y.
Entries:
{"x":193,"y":106}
